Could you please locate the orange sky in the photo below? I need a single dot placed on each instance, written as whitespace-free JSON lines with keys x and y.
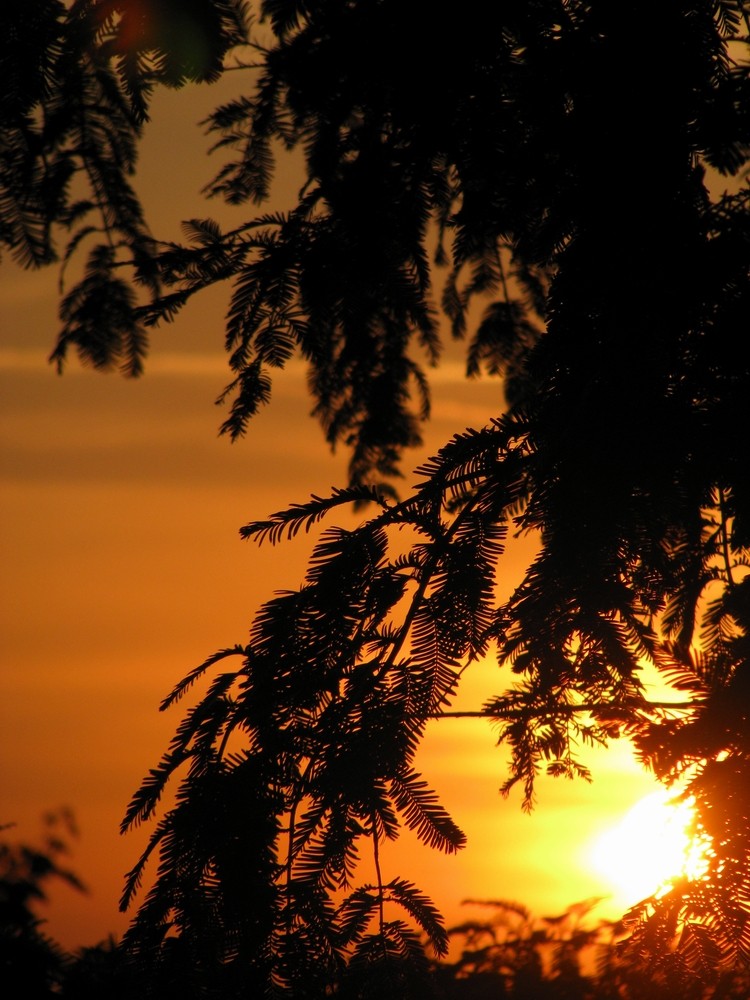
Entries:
{"x":123,"y":569}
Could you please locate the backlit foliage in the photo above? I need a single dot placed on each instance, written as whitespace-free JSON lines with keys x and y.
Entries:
{"x":576,"y":169}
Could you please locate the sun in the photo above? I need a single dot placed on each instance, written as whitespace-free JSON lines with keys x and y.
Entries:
{"x":650,"y":846}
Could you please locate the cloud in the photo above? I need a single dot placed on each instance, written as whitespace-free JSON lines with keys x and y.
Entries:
{"x":28,"y":359}
{"x":164,"y":362}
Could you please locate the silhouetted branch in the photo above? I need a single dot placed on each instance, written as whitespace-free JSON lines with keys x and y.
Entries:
{"x":613,"y":711}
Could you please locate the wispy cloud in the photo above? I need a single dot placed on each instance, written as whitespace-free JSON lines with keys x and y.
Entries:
{"x":30,"y":359}
{"x":27,"y":359}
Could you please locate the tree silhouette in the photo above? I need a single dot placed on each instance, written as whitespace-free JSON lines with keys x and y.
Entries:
{"x":77,"y":82}
{"x":31,"y":963}
{"x":578,"y":170}
{"x":510,"y":953}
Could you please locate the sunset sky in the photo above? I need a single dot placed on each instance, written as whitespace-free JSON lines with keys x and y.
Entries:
{"x":123,"y":569}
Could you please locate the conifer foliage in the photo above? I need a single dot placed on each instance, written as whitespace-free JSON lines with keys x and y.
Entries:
{"x":578,"y":168}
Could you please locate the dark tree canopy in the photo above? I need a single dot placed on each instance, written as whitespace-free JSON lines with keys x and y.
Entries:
{"x":577,"y":169}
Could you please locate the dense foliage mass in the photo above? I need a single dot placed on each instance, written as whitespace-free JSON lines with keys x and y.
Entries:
{"x":577,"y":168}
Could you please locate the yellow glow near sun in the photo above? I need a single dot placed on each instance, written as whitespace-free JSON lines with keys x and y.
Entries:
{"x":649,"y":846}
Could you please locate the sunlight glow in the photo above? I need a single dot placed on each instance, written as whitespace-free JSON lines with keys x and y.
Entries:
{"x":650,"y":846}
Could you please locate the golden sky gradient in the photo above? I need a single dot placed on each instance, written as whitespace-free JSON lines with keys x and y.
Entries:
{"x":123,"y":569}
